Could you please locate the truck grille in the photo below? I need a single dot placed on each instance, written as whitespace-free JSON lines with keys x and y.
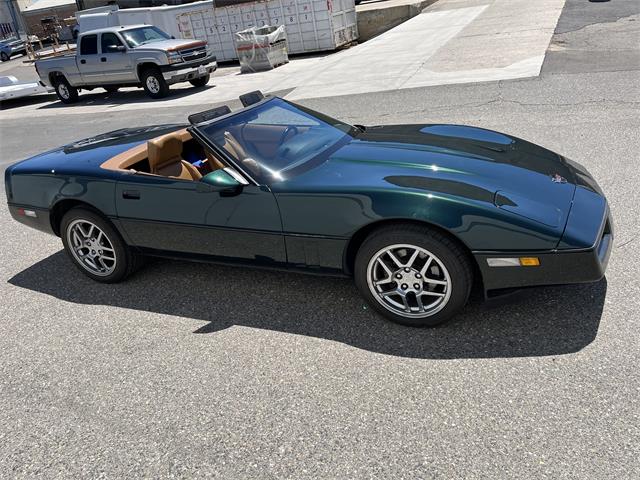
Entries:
{"x":195,"y":53}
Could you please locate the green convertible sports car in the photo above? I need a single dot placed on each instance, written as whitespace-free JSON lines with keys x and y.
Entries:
{"x":415,"y":213}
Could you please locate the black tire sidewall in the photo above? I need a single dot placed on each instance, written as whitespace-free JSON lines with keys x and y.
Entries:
{"x":200,"y":81}
{"x":4,"y":57}
{"x":124,"y":257}
{"x":164,"y":87}
{"x":73,"y":91}
{"x":449,"y":253}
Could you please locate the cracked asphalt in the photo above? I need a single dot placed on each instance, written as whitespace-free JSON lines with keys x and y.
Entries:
{"x":191,"y":370}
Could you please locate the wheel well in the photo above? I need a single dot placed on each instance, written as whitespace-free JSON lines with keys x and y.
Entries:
{"x":145,"y":66}
{"x":53,"y":76}
{"x":360,"y":236}
{"x":63,"y":206}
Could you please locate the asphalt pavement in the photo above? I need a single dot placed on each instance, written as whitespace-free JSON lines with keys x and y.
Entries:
{"x":192,"y":370}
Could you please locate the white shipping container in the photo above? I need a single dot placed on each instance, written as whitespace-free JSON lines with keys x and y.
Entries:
{"x":311,"y":25}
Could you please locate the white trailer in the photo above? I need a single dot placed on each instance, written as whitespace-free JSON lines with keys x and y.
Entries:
{"x":311,"y":25}
{"x":11,"y":87}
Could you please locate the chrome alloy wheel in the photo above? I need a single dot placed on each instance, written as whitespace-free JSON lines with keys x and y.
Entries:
{"x":409,"y":281}
{"x":91,"y":247}
{"x":64,"y":91}
{"x":152,"y":84}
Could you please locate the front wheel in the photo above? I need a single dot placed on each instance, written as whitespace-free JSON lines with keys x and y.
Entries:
{"x":413,"y":275}
{"x":4,"y":57}
{"x":95,"y":247}
{"x":154,"y":83}
{"x":200,"y":81}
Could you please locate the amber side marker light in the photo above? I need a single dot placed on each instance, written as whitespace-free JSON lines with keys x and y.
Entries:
{"x":514,"y":262}
{"x":529,"y":261}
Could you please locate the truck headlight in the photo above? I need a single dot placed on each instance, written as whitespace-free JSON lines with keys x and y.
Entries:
{"x":174,"y":57}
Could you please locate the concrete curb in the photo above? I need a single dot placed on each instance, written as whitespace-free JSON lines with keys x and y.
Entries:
{"x":374,"y":21}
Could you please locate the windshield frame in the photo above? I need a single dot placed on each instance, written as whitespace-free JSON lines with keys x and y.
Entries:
{"x":349,"y":132}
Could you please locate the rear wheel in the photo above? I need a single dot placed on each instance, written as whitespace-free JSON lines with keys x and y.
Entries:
{"x":200,"y":81}
{"x":66,"y":93}
{"x":413,"y":275}
{"x":95,"y":247}
{"x":154,"y":83}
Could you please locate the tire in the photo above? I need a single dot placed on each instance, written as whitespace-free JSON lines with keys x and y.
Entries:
{"x":112,"y":88}
{"x":66,"y":93}
{"x":4,"y":57}
{"x":103,"y":269}
{"x":449,"y":267}
{"x":154,"y":83}
{"x":200,"y":81}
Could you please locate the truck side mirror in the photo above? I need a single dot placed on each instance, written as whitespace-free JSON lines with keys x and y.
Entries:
{"x":116,"y":48}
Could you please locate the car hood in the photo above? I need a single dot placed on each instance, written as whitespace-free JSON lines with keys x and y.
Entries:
{"x":459,"y":162}
{"x":170,"y":45}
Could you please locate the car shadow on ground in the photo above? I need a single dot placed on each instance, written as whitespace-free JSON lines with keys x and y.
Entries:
{"x":547,"y":321}
{"x":99,"y":96}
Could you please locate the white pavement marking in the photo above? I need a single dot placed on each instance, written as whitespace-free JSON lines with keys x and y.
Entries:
{"x":452,"y":42}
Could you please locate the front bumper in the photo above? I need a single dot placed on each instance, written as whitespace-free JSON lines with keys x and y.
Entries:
{"x":180,"y":72}
{"x":557,"y":267}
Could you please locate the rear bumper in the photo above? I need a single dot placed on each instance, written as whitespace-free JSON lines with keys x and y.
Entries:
{"x":556,"y":267}
{"x":37,"y":218}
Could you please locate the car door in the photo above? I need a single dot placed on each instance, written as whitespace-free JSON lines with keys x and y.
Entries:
{"x":183,"y":217}
{"x":116,"y":64}
{"x":88,"y":62}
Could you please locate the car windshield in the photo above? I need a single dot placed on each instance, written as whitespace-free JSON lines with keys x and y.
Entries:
{"x":277,"y":140}
{"x":143,"y":35}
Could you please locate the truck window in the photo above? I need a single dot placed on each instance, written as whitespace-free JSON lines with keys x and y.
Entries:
{"x":108,"y":39}
{"x":89,"y":45}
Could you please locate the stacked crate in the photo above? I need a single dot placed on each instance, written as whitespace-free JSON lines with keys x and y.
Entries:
{"x":311,"y":25}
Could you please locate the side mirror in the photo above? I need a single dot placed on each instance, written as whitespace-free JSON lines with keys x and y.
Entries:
{"x":116,"y":48}
{"x":220,"y":181}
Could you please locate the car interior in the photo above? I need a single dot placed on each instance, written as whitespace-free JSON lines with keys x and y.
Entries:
{"x":179,"y":155}
{"x":174,"y":155}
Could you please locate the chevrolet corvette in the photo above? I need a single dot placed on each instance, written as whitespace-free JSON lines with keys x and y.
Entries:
{"x":416,"y":214}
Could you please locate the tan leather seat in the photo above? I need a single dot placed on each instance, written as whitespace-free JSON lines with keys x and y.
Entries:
{"x":165,"y":158}
{"x":213,"y":161}
{"x":233,"y":147}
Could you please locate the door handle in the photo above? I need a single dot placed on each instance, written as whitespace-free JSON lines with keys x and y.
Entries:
{"x":131,"y":195}
{"x":103,"y":59}
{"x":83,"y":61}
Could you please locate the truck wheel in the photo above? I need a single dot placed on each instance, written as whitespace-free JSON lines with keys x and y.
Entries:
{"x":4,"y":57}
{"x":154,"y":83}
{"x":200,"y":81}
{"x":66,"y":93}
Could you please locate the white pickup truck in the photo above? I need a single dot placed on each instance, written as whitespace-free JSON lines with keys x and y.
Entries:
{"x":124,"y":56}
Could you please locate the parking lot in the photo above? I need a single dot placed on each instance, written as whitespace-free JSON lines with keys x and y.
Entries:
{"x":195,"y":370}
